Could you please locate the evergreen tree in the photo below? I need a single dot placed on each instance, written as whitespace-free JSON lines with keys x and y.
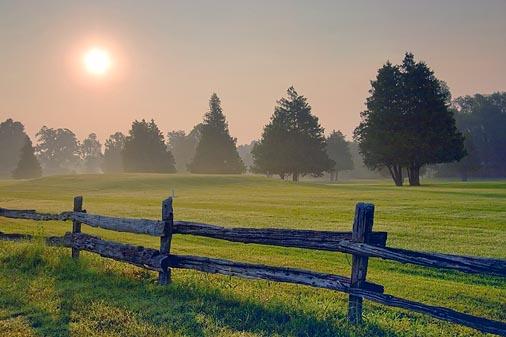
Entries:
{"x":293,"y":142}
{"x":113,"y":153}
{"x":145,"y":150}
{"x":408,"y":122}
{"x":28,"y":165}
{"x":12,"y":140}
{"x":338,"y":150}
{"x":216,"y":151}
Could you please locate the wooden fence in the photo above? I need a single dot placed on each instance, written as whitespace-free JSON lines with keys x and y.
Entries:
{"x":362,"y":243}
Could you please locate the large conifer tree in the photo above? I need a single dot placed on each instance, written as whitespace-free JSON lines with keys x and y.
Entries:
{"x":216,"y":151}
{"x":293,"y":142}
{"x":408,"y":122}
{"x":28,"y":165}
{"x":145,"y":150}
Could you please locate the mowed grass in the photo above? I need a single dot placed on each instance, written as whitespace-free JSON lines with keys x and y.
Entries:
{"x":43,"y":292}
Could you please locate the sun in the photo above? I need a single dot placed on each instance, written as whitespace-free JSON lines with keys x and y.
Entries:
{"x":97,"y":61}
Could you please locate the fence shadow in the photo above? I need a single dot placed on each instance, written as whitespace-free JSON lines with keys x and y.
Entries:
{"x":109,"y":299}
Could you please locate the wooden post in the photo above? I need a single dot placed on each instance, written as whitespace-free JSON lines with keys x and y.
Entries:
{"x":168,"y":218}
{"x":76,"y":225}
{"x":362,"y":228}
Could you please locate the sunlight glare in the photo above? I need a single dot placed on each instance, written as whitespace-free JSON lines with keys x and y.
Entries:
{"x":97,"y":61}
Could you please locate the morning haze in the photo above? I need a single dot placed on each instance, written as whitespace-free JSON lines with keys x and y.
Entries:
{"x":167,"y":58}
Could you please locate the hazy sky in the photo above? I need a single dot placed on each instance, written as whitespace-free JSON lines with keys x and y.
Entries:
{"x":168,"y":57}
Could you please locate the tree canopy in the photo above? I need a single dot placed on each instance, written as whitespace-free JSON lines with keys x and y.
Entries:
{"x":91,"y":154}
{"x":483,"y":119}
{"x":216,"y":150}
{"x":57,"y":150}
{"x":339,"y":151}
{"x":293,"y":142}
{"x":28,"y":166}
{"x":145,"y":150}
{"x":12,"y":140}
{"x":113,"y":153}
{"x":408,"y":122}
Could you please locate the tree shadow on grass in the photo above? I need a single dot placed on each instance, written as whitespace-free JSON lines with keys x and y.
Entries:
{"x":112,"y":302}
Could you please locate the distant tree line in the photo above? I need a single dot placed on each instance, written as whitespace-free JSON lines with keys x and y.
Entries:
{"x":482,"y":120}
{"x":410,"y":123}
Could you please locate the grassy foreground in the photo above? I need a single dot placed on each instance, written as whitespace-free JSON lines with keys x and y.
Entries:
{"x":43,"y":292}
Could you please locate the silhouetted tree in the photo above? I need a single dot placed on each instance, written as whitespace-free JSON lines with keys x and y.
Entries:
{"x":91,"y":154}
{"x":183,"y":146}
{"x":145,"y":150}
{"x":57,"y":150}
{"x":12,"y":140}
{"x":408,"y":122}
{"x":113,"y":153}
{"x":28,"y":165}
{"x":293,"y":142}
{"x":338,"y":150}
{"x":216,"y":151}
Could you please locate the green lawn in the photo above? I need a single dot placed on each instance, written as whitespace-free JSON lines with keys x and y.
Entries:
{"x":44,"y":293}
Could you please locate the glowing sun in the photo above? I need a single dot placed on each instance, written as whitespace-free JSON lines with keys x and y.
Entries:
{"x":97,"y":61}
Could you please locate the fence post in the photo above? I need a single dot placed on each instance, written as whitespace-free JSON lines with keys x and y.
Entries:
{"x":362,"y":227}
{"x":168,"y":219}
{"x":76,"y":225}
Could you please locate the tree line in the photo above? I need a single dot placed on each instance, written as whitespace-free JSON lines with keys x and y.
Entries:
{"x":410,"y":122}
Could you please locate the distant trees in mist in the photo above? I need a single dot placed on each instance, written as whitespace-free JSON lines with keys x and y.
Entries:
{"x":338,"y":150}
{"x":482,"y":120}
{"x":411,"y":126}
{"x":113,"y":153}
{"x":183,"y":146}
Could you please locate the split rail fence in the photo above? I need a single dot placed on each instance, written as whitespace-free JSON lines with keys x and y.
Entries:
{"x":361,"y":242}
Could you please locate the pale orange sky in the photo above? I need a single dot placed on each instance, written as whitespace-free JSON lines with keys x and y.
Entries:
{"x":170,"y":56}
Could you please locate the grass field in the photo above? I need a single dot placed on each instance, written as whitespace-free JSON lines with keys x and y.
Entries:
{"x":44,"y":293}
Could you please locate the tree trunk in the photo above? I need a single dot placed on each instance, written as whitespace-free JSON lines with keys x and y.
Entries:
{"x":282,"y":176}
{"x":335,"y":176}
{"x":396,"y":173}
{"x":414,"y":175}
{"x":295,"y":176}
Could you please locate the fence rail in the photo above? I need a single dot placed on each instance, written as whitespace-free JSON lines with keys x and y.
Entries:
{"x":362,"y":243}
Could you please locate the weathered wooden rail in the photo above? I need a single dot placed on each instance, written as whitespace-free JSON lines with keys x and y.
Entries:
{"x":362,"y":243}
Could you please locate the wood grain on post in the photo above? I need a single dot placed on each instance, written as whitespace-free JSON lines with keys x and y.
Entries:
{"x":362,"y":227}
{"x":76,"y":225}
{"x":165,"y":239}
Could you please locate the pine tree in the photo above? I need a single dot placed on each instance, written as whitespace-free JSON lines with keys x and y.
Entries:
{"x":216,"y":151}
{"x":28,"y":165}
{"x":293,"y":142}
